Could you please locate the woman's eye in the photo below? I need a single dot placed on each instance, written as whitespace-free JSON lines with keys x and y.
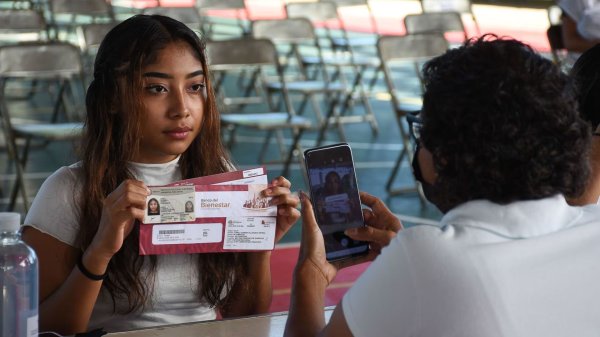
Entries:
{"x":198,"y":87}
{"x":156,"y":89}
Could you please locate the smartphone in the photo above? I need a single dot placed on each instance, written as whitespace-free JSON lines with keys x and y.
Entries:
{"x":334,"y":195}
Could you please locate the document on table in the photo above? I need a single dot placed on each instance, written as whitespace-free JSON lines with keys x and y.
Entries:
{"x":217,"y":213}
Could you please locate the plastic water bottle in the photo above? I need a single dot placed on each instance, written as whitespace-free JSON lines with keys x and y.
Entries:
{"x":18,"y":281}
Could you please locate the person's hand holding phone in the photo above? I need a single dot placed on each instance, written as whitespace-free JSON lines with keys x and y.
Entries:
{"x":381,"y":225}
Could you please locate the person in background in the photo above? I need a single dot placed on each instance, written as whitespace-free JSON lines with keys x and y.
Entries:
{"x":151,"y":120}
{"x":501,"y":146}
{"x":586,"y":73}
{"x":580,"y":26}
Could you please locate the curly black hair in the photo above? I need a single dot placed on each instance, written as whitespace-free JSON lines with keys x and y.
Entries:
{"x":502,"y":124}
{"x":586,"y":72}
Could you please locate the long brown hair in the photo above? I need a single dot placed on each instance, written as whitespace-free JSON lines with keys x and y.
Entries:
{"x":112,"y":130}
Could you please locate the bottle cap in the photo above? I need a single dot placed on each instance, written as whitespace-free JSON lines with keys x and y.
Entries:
{"x":10,"y":221}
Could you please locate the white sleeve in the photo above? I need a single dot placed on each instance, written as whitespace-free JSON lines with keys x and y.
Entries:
{"x":383,"y":301}
{"x":573,"y":8}
{"x":589,"y":25}
{"x":55,"y":208}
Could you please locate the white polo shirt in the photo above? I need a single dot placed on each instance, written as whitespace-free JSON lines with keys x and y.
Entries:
{"x":530,"y":268}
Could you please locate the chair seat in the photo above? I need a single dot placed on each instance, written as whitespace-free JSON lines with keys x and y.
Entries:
{"x":343,"y":60}
{"x":309,"y":86}
{"x":409,"y":105}
{"x":266,"y":121}
{"x":63,"y":131}
{"x":363,"y":41}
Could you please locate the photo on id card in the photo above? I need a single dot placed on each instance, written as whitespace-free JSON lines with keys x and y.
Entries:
{"x":170,"y":204}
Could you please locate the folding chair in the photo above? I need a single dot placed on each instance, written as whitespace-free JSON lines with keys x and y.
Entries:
{"x":187,"y":15}
{"x":17,"y":25}
{"x":239,"y":6}
{"x":460,"y":6}
{"x":297,"y":33}
{"x":320,"y":14}
{"x":89,"y":38}
{"x":244,"y":54}
{"x":39,"y":61}
{"x":399,"y":51}
{"x":69,"y":14}
{"x":363,"y":45}
{"x":437,"y":22}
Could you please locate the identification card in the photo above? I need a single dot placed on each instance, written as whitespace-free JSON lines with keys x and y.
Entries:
{"x":170,"y":204}
{"x":218,"y":213}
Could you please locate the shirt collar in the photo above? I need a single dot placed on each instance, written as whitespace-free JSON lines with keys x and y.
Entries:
{"x":156,"y":174}
{"x":520,"y":219}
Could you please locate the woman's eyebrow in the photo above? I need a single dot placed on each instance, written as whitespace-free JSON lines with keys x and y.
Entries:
{"x":168,"y":76}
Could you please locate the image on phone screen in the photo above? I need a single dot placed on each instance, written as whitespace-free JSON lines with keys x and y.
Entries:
{"x":335,"y":198}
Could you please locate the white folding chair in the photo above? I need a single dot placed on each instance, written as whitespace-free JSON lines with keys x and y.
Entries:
{"x":240,"y":55}
{"x":397,"y":52}
{"x":42,"y":61}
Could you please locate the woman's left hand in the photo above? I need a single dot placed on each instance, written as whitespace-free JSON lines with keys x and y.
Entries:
{"x":287,"y":212}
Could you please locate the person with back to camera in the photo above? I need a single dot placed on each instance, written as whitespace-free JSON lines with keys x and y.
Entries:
{"x":151,"y":120}
{"x":586,"y":73}
{"x":580,"y":24}
{"x":501,"y":146}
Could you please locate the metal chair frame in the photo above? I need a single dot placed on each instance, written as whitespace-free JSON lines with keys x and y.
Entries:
{"x":460,"y":6}
{"x":49,"y":61}
{"x":241,"y":55}
{"x":320,"y":14}
{"x":415,"y":49}
{"x":435,"y":22}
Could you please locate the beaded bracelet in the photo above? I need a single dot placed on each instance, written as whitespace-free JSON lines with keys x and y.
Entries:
{"x":87,"y":273}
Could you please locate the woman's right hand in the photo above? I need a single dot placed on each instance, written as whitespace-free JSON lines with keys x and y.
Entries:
{"x":381,"y":225}
{"x":119,"y":211}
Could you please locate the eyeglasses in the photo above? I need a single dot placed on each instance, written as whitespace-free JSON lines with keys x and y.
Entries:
{"x":415,"y":123}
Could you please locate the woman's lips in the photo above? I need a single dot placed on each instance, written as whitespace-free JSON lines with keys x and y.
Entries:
{"x":178,"y":133}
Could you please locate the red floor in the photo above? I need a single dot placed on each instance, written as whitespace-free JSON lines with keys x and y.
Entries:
{"x":283,"y":261}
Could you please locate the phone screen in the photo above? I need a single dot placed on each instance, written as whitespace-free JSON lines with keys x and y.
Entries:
{"x":335,"y":199}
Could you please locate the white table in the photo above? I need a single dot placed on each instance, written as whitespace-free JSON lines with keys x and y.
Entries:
{"x":271,"y":325}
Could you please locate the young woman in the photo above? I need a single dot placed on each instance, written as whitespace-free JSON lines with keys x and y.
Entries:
{"x":151,"y":120}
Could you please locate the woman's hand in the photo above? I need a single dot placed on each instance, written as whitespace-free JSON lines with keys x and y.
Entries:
{"x":381,"y":225}
{"x":312,"y":247}
{"x":287,"y":212}
{"x":119,"y":211}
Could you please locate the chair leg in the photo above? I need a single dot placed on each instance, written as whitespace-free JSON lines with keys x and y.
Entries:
{"x":295,"y":146}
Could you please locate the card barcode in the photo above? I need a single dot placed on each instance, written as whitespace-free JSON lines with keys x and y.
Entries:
{"x":171,"y":231}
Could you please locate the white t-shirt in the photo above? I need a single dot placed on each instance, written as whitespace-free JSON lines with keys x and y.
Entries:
{"x":175,"y":298}
{"x":586,"y":13}
{"x":530,"y":268}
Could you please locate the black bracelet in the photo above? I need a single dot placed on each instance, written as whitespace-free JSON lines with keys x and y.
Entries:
{"x":87,"y":273}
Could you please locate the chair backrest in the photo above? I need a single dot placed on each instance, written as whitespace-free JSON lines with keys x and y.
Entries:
{"x":461,"y":6}
{"x":413,"y":49}
{"x":316,"y":12}
{"x":40,"y":60}
{"x":346,"y":3}
{"x":240,"y":53}
{"x":79,"y":7}
{"x":91,"y":35}
{"x":296,"y":30}
{"x":220,"y":4}
{"x":188,"y":15}
{"x":245,"y":54}
{"x":554,"y":15}
{"x":21,"y":20}
{"x":439,"y":22}
{"x":19,"y":23}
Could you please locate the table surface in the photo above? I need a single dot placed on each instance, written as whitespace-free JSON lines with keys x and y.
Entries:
{"x":271,"y":325}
